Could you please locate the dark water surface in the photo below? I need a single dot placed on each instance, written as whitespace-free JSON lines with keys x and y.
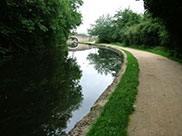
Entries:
{"x":45,"y":94}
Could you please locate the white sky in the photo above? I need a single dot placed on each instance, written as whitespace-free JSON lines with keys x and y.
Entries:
{"x":93,"y":9}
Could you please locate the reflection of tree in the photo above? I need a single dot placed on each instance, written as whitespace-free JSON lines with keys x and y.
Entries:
{"x":106,"y":61}
{"x":38,"y":92}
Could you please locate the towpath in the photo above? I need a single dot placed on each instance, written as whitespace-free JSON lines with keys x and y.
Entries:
{"x":158,"y":104}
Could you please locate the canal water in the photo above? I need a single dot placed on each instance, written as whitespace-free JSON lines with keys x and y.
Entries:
{"x":99,"y":66}
{"x":46,"y":94}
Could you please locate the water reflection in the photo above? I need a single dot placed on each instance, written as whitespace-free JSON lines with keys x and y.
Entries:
{"x":99,"y":66}
{"x":106,"y":61}
{"x":38,"y":92}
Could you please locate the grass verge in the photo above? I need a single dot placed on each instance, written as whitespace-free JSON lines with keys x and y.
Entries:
{"x":114,"y":117}
{"x":156,"y":50}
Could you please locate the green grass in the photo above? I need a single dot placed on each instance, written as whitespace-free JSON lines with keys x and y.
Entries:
{"x":157,"y":50}
{"x":114,"y":118}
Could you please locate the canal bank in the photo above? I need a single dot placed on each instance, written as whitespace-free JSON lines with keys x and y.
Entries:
{"x":83,"y":126}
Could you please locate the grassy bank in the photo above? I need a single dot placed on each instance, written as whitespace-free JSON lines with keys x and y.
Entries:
{"x":157,"y":50}
{"x":114,"y":118}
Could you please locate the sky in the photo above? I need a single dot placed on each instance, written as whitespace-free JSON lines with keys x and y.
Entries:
{"x":92,"y":9}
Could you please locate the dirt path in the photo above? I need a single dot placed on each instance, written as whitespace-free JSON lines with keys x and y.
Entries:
{"x":158,"y":109}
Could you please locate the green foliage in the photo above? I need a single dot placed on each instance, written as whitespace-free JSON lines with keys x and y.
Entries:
{"x":30,"y":25}
{"x":136,"y":30}
{"x":170,"y":12}
{"x":103,"y":29}
{"x":114,"y":117}
{"x":39,"y":85}
{"x":123,"y":20}
{"x":112,"y":29}
{"x":150,"y":32}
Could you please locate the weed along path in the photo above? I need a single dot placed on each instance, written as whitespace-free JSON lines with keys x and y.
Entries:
{"x":158,"y":104}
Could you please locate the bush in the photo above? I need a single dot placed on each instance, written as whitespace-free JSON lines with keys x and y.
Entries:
{"x":136,"y":30}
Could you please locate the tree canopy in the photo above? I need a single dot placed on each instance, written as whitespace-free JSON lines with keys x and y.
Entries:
{"x":30,"y":25}
{"x":170,"y":12}
{"x":103,"y":28}
{"x":160,"y":25}
{"x":137,"y":30}
{"x":130,"y":28}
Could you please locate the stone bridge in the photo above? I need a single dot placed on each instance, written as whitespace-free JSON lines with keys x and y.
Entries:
{"x":82,"y":37}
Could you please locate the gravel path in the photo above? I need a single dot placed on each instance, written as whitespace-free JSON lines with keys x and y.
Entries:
{"x":158,"y":109}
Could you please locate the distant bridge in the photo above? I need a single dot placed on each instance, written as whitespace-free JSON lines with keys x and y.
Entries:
{"x":82,"y":37}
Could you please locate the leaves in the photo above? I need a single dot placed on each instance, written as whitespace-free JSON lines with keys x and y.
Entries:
{"x":131,"y":28}
{"x":37,"y":23}
{"x":103,"y":28}
{"x":170,"y":12}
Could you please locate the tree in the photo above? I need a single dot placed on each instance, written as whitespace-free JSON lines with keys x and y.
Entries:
{"x":149,"y":32}
{"x":123,"y":20}
{"x":112,"y":29}
{"x":103,"y":28}
{"x":29,"y":25}
{"x":170,"y":12}
{"x":132,"y":29}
